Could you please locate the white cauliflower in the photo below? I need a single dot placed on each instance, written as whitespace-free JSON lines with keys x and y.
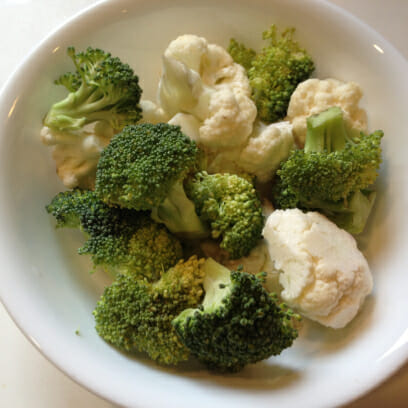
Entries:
{"x":151,"y":113}
{"x":267,"y":147}
{"x":76,"y":155}
{"x":261,"y":155}
{"x":323,"y":274}
{"x":202,"y":80}
{"x":209,"y":96}
{"x":189,"y":125}
{"x":316,"y":95}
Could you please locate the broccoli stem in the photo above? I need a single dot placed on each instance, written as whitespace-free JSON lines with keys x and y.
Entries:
{"x":354,"y":217}
{"x":178,"y":213}
{"x":86,"y":105}
{"x":216,"y":277}
{"x":69,"y":114}
{"x":326,"y":131}
{"x":333,"y":173}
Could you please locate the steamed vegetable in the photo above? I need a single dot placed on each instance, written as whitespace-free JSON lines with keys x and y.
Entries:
{"x":144,"y":168}
{"x":333,"y":173}
{"x":316,"y":95}
{"x":323,"y":274}
{"x":238,"y":322}
{"x":103,"y":96}
{"x":119,"y":240}
{"x":232,"y":207}
{"x":102,"y":88}
{"x":274,"y":72}
{"x":175,"y":201}
{"x":135,"y":315}
{"x":201,"y":81}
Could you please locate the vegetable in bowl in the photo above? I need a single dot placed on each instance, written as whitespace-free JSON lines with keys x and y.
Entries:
{"x":333,"y":173}
{"x":102,"y":88}
{"x":238,"y":321}
{"x":118,"y":240}
{"x":144,"y":168}
{"x":200,"y":165}
{"x":275,"y":72}
{"x":135,"y":315}
{"x":103,"y":96}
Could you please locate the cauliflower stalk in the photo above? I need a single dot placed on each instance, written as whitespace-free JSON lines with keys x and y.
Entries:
{"x":323,"y":274}
{"x":316,"y":95}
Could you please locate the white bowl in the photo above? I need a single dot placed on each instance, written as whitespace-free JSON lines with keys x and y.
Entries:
{"x":45,"y":285}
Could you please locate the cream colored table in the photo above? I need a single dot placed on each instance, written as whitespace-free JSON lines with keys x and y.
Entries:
{"x":27,"y":379}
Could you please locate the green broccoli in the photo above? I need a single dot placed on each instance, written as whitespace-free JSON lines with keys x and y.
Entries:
{"x":275,"y":72}
{"x":144,"y":168}
{"x":333,"y":173}
{"x":238,"y":322}
{"x":102,"y":89}
{"x":241,"y":54}
{"x":136,"y":316}
{"x":119,"y":240}
{"x":231,"y":204}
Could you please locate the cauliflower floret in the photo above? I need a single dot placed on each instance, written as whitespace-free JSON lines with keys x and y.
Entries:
{"x":189,"y":125}
{"x":151,"y":113}
{"x":188,"y":49}
{"x":209,"y":96}
{"x":267,"y":147}
{"x":76,"y":155}
{"x":229,"y":119}
{"x":323,"y":274}
{"x":223,"y":161}
{"x":201,"y":79}
{"x":315,"y":95}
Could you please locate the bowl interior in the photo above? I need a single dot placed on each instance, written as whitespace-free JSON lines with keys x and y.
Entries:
{"x":46,"y":287}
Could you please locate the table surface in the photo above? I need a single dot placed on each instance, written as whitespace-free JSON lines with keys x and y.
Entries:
{"x":27,"y":379}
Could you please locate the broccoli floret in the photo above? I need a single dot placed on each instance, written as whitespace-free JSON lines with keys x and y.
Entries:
{"x":119,"y":240}
{"x":103,"y":88}
{"x":241,"y":54}
{"x":333,"y":172}
{"x":238,"y":322}
{"x":136,"y":316}
{"x":275,"y":72}
{"x":232,"y":206}
{"x":144,"y":167}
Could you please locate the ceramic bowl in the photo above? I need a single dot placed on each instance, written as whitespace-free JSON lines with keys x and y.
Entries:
{"x":46,"y":287}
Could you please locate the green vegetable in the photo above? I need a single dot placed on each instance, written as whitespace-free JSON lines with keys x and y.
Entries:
{"x":333,"y":172}
{"x":136,"y":316}
{"x":241,"y":54}
{"x":238,"y":322}
{"x":144,"y":167}
{"x":231,"y":205}
{"x":119,"y":240}
{"x":275,"y":72}
{"x":101,"y":89}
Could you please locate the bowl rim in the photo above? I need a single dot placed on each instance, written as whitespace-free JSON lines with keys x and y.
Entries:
{"x":399,"y":356}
